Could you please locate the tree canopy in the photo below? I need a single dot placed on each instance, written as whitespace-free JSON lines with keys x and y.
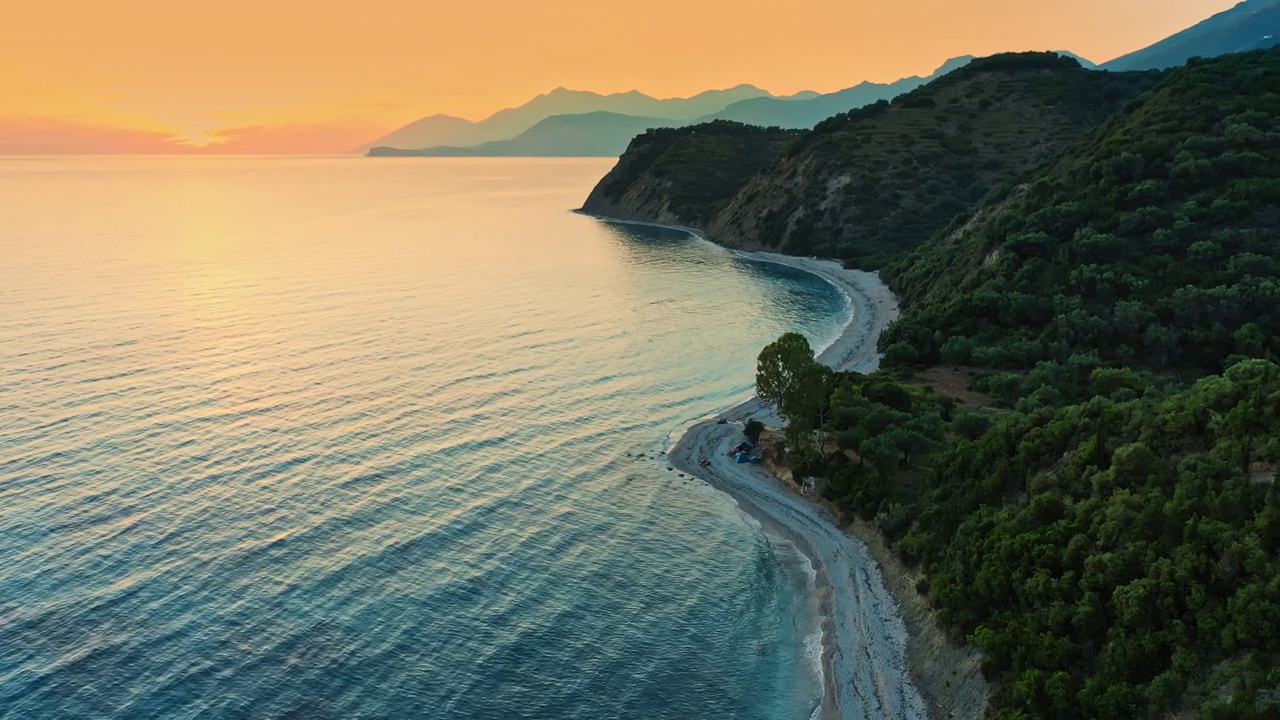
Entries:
{"x":1101,"y":515}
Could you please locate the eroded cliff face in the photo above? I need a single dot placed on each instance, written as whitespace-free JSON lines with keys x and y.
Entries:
{"x":875,"y":181}
{"x":685,"y":177}
{"x":645,"y":199}
{"x":770,"y":208}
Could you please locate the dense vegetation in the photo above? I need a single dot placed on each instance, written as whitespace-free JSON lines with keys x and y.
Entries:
{"x":1115,"y":558}
{"x":685,"y":176}
{"x":1154,"y":243}
{"x":1105,"y":521}
{"x":875,"y":180}
{"x":885,"y":178}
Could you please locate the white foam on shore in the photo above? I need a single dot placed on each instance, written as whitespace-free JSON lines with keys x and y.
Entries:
{"x":813,"y":651}
{"x":813,"y":640}
{"x":847,"y":315}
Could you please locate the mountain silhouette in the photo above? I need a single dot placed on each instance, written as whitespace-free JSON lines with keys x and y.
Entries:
{"x":507,"y":124}
{"x":1251,"y":25}
{"x":797,"y":113}
{"x":544,"y":126}
{"x":595,"y":134}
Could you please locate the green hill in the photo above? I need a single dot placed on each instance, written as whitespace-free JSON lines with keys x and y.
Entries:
{"x":1098,"y":511}
{"x":886,"y":177}
{"x":1077,"y":431}
{"x":685,"y":176}
{"x":1153,"y":243}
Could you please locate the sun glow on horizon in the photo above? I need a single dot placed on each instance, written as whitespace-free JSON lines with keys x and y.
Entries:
{"x":281,"y":76}
{"x":195,"y":138}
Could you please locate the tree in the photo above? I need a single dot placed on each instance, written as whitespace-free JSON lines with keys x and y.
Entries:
{"x":789,"y":377}
{"x":907,"y":442}
{"x":780,"y":369}
{"x":881,"y":453}
{"x":970,"y":424}
{"x":1251,"y":406}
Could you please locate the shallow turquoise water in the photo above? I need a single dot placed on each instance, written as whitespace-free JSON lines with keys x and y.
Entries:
{"x":338,"y":438}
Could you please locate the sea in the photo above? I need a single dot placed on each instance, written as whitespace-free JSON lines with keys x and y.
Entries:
{"x":339,"y":437}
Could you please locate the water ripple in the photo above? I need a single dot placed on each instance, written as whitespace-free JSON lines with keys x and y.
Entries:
{"x":325,"y":438}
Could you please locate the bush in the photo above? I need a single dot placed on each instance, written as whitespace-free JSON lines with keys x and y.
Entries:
{"x":970,"y":424}
{"x":901,"y":353}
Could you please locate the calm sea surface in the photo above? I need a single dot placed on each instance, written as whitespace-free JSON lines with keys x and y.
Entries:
{"x":346,"y":438}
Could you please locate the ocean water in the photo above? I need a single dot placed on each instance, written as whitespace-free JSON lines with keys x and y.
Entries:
{"x":344,"y":438}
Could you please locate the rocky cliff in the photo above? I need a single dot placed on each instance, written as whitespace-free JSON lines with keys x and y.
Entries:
{"x":686,"y":176}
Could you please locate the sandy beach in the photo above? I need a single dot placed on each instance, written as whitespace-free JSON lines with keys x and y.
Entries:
{"x":873,"y":668}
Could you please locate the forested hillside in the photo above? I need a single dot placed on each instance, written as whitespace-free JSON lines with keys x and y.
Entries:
{"x":874,"y":181}
{"x":1098,"y":511}
{"x":1154,"y":243}
{"x":886,"y":177}
{"x":685,"y":176}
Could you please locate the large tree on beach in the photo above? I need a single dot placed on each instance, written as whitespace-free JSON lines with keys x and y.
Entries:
{"x":788,"y":376}
{"x":783,"y":370}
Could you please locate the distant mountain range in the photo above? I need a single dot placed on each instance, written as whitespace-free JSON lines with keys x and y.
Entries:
{"x":1251,"y":25}
{"x":798,"y":114}
{"x":578,"y":123}
{"x":446,"y":130}
{"x":605,"y":130}
{"x":593,"y":134}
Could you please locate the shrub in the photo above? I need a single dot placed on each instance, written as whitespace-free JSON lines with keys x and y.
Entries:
{"x":970,"y":424}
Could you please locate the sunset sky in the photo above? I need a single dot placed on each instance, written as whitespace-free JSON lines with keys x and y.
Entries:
{"x":271,"y":76}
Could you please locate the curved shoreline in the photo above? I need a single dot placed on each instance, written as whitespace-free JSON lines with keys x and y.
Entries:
{"x":866,"y":672}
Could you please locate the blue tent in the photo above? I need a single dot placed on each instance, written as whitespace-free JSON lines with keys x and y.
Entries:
{"x":742,"y":458}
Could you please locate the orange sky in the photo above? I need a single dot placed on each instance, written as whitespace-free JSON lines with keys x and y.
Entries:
{"x":256,"y":76}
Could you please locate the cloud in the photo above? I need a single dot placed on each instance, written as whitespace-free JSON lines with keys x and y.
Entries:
{"x":34,"y":135}
{"x":317,"y":138}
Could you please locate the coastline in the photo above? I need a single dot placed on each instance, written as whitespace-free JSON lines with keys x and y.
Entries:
{"x":883,"y":655}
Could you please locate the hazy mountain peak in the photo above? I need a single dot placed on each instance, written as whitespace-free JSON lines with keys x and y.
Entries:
{"x":1250,"y":25}
{"x":561,"y":92}
{"x":954,"y":63}
{"x":447,"y":128}
{"x":457,"y":135}
{"x":805,"y":109}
